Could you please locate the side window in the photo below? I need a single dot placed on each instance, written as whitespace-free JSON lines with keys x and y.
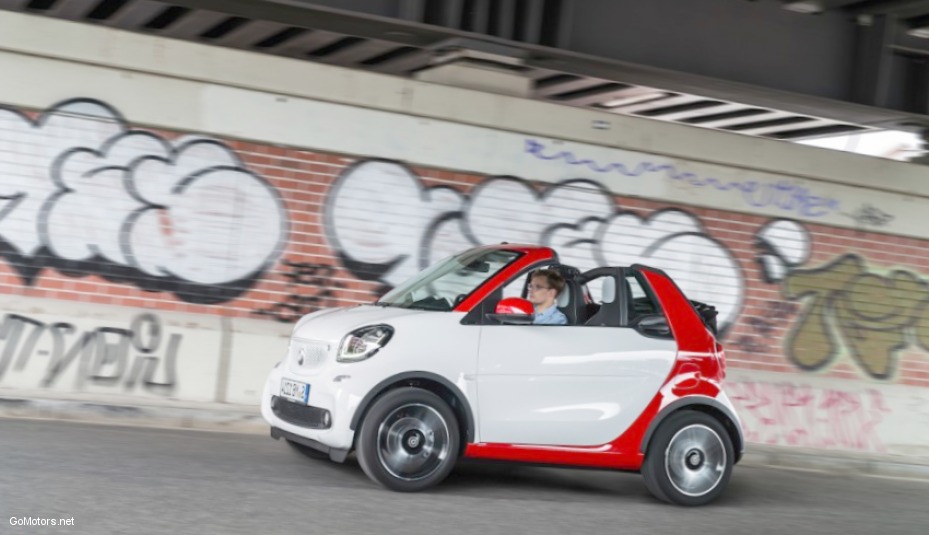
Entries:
{"x":515,"y":287}
{"x":641,"y":302}
{"x":603,"y":305}
{"x":603,"y":308}
{"x":594,"y":288}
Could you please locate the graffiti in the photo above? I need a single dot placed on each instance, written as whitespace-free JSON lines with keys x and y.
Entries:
{"x":781,"y":194}
{"x":784,"y":244}
{"x":83,"y":193}
{"x":799,"y":415}
{"x":847,"y":304}
{"x":310,"y":287}
{"x":846,"y":307}
{"x":386,"y":225}
{"x":102,"y":355}
{"x":763,"y":327}
{"x":870,"y":216}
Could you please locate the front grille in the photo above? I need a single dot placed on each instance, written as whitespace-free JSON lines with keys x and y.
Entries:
{"x":302,"y":415}
{"x":308,"y":354}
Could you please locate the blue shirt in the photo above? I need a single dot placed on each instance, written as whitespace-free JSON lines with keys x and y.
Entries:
{"x":550,"y":316}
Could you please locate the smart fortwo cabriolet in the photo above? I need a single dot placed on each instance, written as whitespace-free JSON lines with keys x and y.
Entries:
{"x":450,"y":365}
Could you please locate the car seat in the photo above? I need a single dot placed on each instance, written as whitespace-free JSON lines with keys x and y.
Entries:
{"x":569,"y":299}
{"x":566,"y":302}
{"x":609,"y":314}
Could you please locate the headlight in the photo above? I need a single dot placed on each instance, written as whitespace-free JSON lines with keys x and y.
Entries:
{"x":364,"y":342}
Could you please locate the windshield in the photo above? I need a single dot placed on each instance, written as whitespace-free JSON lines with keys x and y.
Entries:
{"x":445,"y":284}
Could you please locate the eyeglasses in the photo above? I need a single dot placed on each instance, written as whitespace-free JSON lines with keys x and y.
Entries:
{"x":533,"y":287}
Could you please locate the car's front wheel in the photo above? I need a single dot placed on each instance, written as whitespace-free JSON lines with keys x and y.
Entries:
{"x":408,"y":440}
{"x":689,"y":459}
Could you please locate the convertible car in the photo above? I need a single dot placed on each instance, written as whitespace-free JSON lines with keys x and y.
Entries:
{"x":450,"y":365}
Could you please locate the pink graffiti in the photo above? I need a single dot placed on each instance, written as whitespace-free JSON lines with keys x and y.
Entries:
{"x":802,"y":416}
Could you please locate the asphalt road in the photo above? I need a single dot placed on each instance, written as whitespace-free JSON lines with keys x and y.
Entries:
{"x":137,"y":480}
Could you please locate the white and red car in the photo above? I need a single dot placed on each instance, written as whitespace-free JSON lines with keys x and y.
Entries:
{"x":449,"y":365}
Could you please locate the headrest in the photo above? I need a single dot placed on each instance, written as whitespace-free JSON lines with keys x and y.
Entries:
{"x":564,"y":298}
{"x":608,"y":290}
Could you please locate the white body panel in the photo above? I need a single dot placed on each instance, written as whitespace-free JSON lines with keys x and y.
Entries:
{"x":531,"y":384}
{"x":546,"y":385}
{"x":432,"y":342}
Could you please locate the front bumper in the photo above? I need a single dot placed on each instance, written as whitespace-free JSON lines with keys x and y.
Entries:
{"x":324,"y":423}
{"x":337,"y":455}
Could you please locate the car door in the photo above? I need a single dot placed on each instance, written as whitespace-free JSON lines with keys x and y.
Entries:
{"x":577,"y":385}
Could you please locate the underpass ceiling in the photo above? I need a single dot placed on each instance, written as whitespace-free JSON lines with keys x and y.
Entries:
{"x":410,"y":38}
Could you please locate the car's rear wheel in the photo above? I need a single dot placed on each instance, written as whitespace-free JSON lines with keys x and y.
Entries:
{"x":408,"y":440}
{"x":689,"y":459}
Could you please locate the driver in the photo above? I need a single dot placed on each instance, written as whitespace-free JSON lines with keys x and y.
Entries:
{"x":544,"y":287}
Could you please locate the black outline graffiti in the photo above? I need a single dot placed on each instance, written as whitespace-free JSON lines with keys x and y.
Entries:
{"x":304,"y":276}
{"x":377,"y":272}
{"x":100,"y":358}
{"x":433,"y":228}
{"x":701,"y":232}
{"x":767,"y":248}
{"x":776,"y":314}
{"x":31,"y":266}
{"x":540,"y":196}
{"x":868,"y":215}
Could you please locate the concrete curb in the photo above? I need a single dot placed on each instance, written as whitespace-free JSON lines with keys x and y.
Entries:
{"x":839,"y":462}
{"x":208,"y":417}
{"x":246,"y":419}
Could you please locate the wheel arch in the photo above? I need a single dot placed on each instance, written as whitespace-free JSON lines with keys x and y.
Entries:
{"x":432,"y":382}
{"x":707,"y":406}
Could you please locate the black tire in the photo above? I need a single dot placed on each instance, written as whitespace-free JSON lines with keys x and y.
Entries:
{"x":689,"y":459}
{"x":308,"y":451}
{"x":409,"y":440}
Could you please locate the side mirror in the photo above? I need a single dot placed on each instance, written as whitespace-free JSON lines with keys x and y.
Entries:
{"x":655,"y":325}
{"x":513,"y":311}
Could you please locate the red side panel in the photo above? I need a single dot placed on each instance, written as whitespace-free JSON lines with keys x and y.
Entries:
{"x":689,"y":331}
{"x":697,"y":371}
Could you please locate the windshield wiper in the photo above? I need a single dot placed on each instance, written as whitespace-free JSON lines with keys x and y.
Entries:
{"x":435,"y":307}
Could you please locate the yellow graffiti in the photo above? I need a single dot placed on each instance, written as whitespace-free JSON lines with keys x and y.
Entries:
{"x":922,"y":327}
{"x":870,"y":314}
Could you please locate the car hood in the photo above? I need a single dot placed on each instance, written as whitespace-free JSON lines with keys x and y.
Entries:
{"x":332,"y":324}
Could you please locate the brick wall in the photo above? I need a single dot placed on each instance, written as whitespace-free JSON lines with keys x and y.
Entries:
{"x":867,"y":321}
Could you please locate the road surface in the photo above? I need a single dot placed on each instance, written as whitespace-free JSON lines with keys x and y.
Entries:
{"x":139,"y":480}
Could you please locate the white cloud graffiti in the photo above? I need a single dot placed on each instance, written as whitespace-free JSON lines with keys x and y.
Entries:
{"x":381,"y":216}
{"x":27,"y":151}
{"x":185,"y":216}
{"x":676,"y":242}
{"x":785,"y":244}
{"x":508,"y":209}
{"x":378,"y":214}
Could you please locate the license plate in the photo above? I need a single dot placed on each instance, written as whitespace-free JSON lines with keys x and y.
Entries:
{"x":295,"y":391}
